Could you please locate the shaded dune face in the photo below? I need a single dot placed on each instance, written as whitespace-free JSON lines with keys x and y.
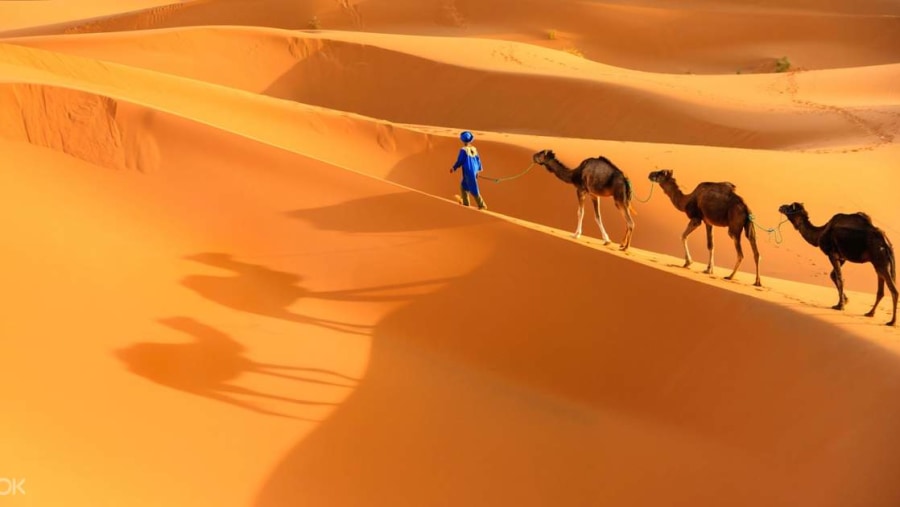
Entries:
{"x":236,"y":273}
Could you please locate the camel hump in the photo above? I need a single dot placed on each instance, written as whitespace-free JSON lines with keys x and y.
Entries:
{"x":859,"y":217}
{"x":719,"y":186}
{"x":607,"y":161}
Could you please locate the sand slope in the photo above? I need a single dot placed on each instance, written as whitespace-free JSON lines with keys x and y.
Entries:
{"x":210,"y":299}
{"x":413,"y":156}
{"x":235,"y":268}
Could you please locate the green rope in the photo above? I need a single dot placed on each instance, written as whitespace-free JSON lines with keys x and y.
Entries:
{"x":507,"y":178}
{"x":779,"y":237}
{"x":638,"y":199}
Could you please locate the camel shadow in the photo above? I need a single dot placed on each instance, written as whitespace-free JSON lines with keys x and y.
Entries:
{"x":263,"y":291}
{"x":207,"y":366}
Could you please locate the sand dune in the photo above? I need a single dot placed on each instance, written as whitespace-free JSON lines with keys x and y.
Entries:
{"x":414,"y":156}
{"x":236,"y":270}
{"x":27,"y":15}
{"x":276,"y":256}
{"x":712,"y":37}
{"x":426,"y":86}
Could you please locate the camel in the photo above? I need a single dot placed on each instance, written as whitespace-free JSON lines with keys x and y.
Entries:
{"x":597,"y":177}
{"x":714,"y":204}
{"x":849,"y":237}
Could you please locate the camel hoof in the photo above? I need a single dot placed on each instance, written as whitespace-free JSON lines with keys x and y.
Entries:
{"x":729,"y":277}
{"x":892,"y":323}
{"x":576,"y":235}
{"x":708,"y":271}
{"x":837,"y":307}
{"x":623,"y":247}
{"x":870,"y":314}
{"x":757,"y":284}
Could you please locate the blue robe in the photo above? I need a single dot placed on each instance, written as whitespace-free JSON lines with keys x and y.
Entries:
{"x":470,"y":163}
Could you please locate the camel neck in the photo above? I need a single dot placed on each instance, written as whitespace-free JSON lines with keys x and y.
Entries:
{"x":670,"y":187}
{"x":809,"y":232}
{"x":560,"y":170}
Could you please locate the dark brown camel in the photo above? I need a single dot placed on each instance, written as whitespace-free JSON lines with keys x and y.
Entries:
{"x":597,"y":177}
{"x":715,"y":205}
{"x":849,"y":237}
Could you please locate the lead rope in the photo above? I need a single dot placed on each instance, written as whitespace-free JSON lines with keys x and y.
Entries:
{"x":507,"y":178}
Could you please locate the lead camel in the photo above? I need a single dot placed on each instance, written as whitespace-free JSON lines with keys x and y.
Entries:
{"x":595,"y":177}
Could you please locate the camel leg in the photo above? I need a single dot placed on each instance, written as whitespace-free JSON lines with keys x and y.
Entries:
{"x":711,"y":248}
{"x":603,"y":233}
{"x":838,"y":282}
{"x":833,"y":275}
{"x":581,"y":196}
{"x":884,"y":277}
{"x":740,"y":254}
{"x":878,"y":295}
{"x":692,"y":225}
{"x":752,"y":239}
{"x":629,"y":227}
{"x":892,"y":286}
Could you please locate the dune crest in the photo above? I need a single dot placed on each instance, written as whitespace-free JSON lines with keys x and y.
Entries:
{"x":416,"y":81}
{"x":84,"y":125}
{"x":747,"y":38}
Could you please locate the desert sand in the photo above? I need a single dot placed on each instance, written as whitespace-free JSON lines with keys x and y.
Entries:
{"x":236,"y":274}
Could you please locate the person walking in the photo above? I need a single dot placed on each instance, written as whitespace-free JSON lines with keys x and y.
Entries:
{"x":470,"y":162}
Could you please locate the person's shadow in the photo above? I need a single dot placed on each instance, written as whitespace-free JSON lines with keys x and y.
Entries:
{"x":390,"y":213}
{"x":208,"y":365}
{"x":257,"y":289}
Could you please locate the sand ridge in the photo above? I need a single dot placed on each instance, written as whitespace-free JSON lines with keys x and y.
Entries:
{"x":764,"y":112}
{"x":748,"y":37}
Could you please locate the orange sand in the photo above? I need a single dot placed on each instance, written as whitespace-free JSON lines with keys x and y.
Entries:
{"x":236,"y":275}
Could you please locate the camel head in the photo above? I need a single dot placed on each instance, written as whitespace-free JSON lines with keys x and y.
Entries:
{"x":795,"y":213}
{"x":661,"y":176}
{"x":544,"y":156}
{"x":792,"y":210}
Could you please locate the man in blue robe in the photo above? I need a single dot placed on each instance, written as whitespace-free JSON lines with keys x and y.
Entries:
{"x":470,"y":163}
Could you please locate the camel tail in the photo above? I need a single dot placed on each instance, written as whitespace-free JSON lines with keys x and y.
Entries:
{"x":749,"y":229}
{"x":890,"y":254}
{"x":893,"y":263}
{"x":629,"y":196}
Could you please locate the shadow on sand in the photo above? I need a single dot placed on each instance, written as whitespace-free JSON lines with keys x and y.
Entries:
{"x":263,"y":291}
{"x":385,"y":214}
{"x":209,"y":364}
